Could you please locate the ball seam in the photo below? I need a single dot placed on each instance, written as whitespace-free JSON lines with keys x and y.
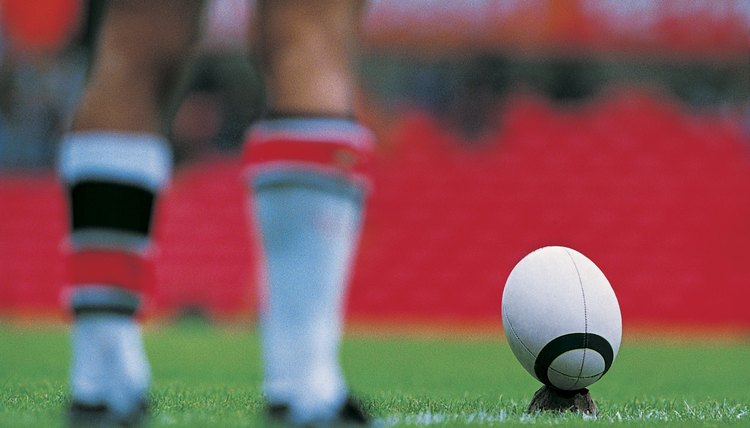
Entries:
{"x":585,"y":315}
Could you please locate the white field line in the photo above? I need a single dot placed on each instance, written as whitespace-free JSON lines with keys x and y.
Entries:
{"x":494,"y":418}
{"x":429,"y":418}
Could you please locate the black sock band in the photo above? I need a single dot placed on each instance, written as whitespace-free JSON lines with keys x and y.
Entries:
{"x":111,"y":206}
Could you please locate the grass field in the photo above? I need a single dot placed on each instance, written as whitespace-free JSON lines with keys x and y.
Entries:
{"x":208,"y":376}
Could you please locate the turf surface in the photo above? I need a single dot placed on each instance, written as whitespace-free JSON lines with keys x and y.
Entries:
{"x":206,"y":376}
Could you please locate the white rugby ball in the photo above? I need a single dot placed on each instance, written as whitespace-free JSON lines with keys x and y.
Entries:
{"x":561,"y":318}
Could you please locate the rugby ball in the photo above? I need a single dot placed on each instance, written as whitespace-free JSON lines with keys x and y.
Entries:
{"x":561,"y":318}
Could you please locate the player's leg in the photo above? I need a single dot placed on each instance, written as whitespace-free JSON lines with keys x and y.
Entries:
{"x":114,"y":163}
{"x":307,"y":165}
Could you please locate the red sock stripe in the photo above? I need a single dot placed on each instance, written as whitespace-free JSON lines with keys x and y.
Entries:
{"x":334,"y":157}
{"x":133,"y":272}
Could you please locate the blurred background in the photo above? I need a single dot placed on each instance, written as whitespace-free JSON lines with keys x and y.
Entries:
{"x":619,"y":128}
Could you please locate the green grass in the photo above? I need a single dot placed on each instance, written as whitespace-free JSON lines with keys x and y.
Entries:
{"x":208,"y":376}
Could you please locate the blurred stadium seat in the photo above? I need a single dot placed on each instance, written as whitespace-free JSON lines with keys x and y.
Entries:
{"x":654,"y":193}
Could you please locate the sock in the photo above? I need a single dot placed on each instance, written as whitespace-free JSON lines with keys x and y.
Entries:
{"x":113,"y":180}
{"x":109,"y":365}
{"x":308,"y":177}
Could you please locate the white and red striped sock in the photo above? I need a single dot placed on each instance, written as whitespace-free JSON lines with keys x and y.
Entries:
{"x":113,"y":180}
{"x":309,"y":177}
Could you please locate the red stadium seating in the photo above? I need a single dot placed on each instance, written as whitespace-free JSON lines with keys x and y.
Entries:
{"x":655,"y":195}
{"x":658,"y":196}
